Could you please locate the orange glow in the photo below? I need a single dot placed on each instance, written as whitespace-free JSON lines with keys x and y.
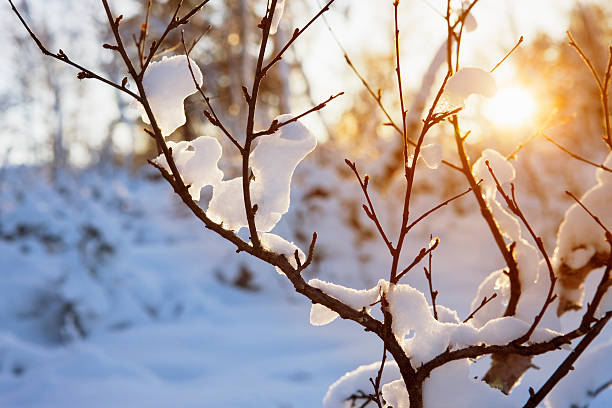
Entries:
{"x":510,"y":107}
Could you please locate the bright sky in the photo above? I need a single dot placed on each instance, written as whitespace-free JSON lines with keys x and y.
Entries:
{"x":369,"y":28}
{"x":422,"y":30}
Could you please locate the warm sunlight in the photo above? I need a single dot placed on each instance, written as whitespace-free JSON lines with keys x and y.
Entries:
{"x":510,"y":107}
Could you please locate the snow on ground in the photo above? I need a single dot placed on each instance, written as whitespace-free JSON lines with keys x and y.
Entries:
{"x":111,"y":294}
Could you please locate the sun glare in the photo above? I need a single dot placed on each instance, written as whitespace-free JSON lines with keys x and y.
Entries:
{"x":513,"y":107}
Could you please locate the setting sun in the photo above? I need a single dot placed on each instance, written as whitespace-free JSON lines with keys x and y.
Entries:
{"x":510,"y":107}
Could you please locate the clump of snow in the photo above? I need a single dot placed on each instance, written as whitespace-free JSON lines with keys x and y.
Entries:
{"x":197,"y":163}
{"x":273,"y":162}
{"x":460,"y":390}
{"x":468,"y":81}
{"x":526,"y":255}
{"x":502,"y":168}
{"x":579,"y":235}
{"x":581,"y":242}
{"x":470,"y":24}
{"x":167,"y":83}
{"x":424,"y":337}
{"x":395,"y":394}
{"x":357,"y":299}
{"x":358,"y":379}
{"x":431,"y":155}
{"x":278,"y":13}
{"x":275,"y":243}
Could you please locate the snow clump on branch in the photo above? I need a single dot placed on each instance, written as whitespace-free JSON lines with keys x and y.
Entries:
{"x":423,"y":338}
{"x":468,"y":81}
{"x":273,"y":162}
{"x":167,"y":83}
{"x":196,"y":162}
{"x":581,"y":242}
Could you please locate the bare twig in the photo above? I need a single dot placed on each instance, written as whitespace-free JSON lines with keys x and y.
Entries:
{"x":485,"y":300}
{"x":507,"y":55}
{"x":61,"y":56}
{"x":376,"y":383}
{"x":175,"y":22}
{"x":437,"y":207}
{"x":574,"y":155}
{"x":432,"y":293}
{"x":422,"y":254}
{"x":296,"y":34}
{"x":369,"y":210}
{"x":603,"y":84}
{"x":275,"y":125}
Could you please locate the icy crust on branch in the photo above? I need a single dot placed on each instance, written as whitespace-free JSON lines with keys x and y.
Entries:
{"x":278,"y":13}
{"x":581,"y":242}
{"x":196,"y":162}
{"x":357,"y":299}
{"x":468,"y":81}
{"x":167,"y":83}
{"x":279,"y":245}
{"x":273,"y":162}
{"x":431,"y":154}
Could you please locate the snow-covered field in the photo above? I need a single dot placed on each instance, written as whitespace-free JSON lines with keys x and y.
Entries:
{"x":111,"y":295}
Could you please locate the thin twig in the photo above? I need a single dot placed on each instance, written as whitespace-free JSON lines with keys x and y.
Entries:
{"x":422,"y":253}
{"x":485,"y":300}
{"x":432,"y":293}
{"x":437,"y":207}
{"x":369,"y":210}
{"x":376,"y":383}
{"x":603,"y":84}
{"x":507,"y":55}
{"x":61,"y":56}
{"x":574,"y":155}
{"x":276,"y":125}
{"x":175,"y":22}
{"x":296,"y":34}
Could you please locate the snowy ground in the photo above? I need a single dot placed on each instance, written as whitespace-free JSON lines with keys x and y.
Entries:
{"x":117,"y":258}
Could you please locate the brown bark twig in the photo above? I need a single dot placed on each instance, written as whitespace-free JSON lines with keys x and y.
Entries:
{"x":485,"y":300}
{"x":214,"y":119}
{"x":432,"y":293}
{"x":602,"y":83}
{"x":61,"y":56}
{"x":369,"y":209}
{"x":276,"y":125}
{"x":574,"y":155}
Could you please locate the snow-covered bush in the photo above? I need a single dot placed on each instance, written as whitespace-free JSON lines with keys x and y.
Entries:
{"x":432,"y":348}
